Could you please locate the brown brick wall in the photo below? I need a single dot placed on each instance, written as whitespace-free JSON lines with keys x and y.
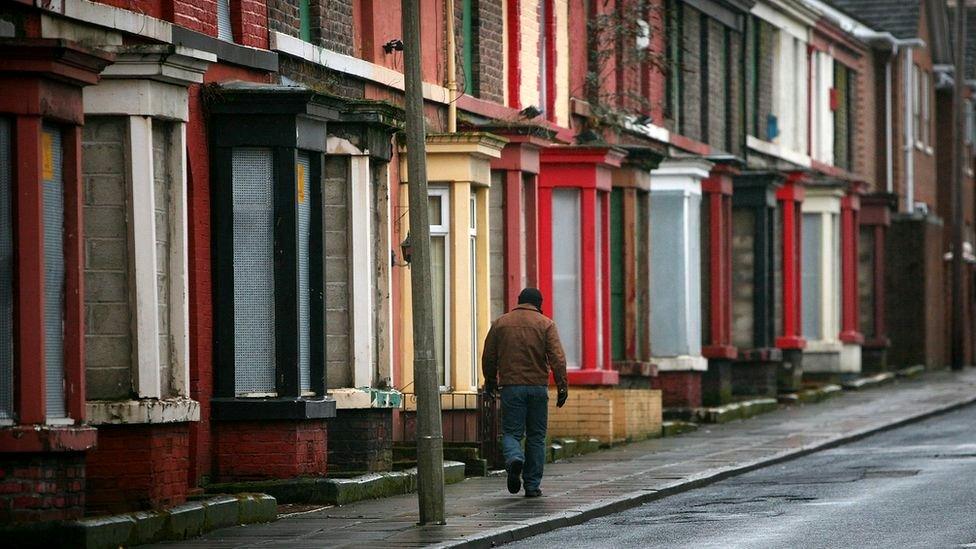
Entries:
{"x":715,"y":87}
{"x":691,"y":75}
{"x":917,"y":335}
{"x":867,"y":155}
{"x":487,"y":53}
{"x":332,"y":25}
{"x":361,"y":441}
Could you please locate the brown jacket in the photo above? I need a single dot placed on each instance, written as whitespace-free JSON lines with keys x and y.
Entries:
{"x":521,"y":347}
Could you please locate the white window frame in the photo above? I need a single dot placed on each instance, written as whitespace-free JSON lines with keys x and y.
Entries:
{"x":917,"y":106}
{"x":473,"y":265}
{"x":927,"y":111}
{"x":443,"y":230}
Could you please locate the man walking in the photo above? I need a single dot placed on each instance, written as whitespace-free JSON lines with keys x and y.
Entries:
{"x":520,"y":349}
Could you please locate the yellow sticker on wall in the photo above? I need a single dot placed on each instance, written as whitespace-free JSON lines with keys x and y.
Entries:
{"x":47,"y":156}
{"x":300,"y":183}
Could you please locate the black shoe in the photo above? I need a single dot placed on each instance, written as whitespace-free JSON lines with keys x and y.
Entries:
{"x":537,"y":493}
{"x":515,"y":477}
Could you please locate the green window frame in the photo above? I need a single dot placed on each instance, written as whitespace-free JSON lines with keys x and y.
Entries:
{"x":305,"y":19}
{"x":617,"y":285}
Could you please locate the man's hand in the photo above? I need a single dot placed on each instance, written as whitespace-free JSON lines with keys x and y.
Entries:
{"x":561,"y":397}
{"x":491,"y":387}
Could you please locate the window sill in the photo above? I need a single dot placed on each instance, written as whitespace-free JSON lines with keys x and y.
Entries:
{"x":764,"y":354}
{"x":47,"y":438}
{"x":361,"y":399}
{"x":635,"y":368}
{"x":593,"y":377}
{"x":237,"y":409}
{"x":149,"y":411}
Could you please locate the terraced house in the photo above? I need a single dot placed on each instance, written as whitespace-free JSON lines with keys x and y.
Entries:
{"x":205,"y":258}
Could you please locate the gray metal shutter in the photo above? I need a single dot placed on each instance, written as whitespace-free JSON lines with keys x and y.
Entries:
{"x":6,"y":276}
{"x":54,"y":270}
{"x":224,"y":31}
{"x":304,"y":305}
{"x":254,"y":319}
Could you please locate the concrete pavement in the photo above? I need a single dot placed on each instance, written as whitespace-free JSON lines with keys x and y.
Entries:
{"x":481,"y":513}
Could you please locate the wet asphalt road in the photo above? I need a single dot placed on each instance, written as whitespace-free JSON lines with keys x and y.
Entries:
{"x":911,"y":487}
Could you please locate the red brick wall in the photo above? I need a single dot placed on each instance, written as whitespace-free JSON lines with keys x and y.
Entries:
{"x":250,"y":21}
{"x":252,"y":450}
{"x":679,"y":389}
{"x":198,"y":15}
{"x":154,"y":8}
{"x":41,"y":487}
{"x":138,"y":467}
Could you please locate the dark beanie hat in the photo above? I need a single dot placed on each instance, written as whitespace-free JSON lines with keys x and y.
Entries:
{"x":531,"y":296}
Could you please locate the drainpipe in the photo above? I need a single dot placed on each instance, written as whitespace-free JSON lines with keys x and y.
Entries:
{"x":909,"y":134}
{"x":889,"y":140}
{"x":451,"y":70}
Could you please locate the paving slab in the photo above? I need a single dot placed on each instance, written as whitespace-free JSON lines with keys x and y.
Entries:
{"x":480,"y":512}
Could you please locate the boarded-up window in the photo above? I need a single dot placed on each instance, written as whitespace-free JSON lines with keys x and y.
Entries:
{"x":108,"y":315}
{"x":304,"y":221}
{"x":867,"y":292}
{"x":618,"y":336}
{"x":812,"y":272}
{"x":743,"y":277}
{"x":254,"y":318}
{"x":566,"y":271}
{"x":496,"y":222}
{"x":54,"y":270}
{"x":6,"y":275}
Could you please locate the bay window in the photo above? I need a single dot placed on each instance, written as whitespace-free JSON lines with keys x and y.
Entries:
{"x":458,"y":166}
{"x":829,"y":281}
{"x":134,"y":164}
{"x":574,"y":203}
{"x":267,"y":205}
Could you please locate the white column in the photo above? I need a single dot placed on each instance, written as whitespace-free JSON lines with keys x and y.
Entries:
{"x":142,"y":243}
{"x":179,"y":299}
{"x":361,"y":270}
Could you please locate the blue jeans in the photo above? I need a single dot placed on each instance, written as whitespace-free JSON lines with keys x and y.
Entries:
{"x":525,"y":414}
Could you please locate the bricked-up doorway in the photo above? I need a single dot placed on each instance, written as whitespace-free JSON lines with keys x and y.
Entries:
{"x":267,"y":146}
{"x":43,"y":435}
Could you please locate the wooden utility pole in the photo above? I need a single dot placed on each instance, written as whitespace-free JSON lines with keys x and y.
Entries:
{"x":958,"y":174}
{"x":430,"y":439}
